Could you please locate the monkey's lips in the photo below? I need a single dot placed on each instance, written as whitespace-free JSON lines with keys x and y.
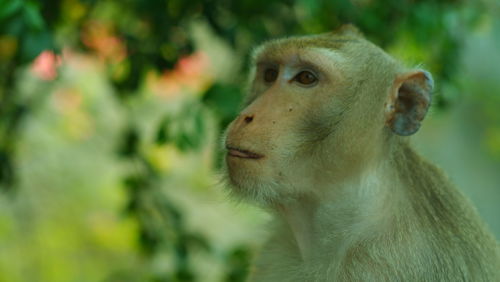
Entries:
{"x":243,"y":154}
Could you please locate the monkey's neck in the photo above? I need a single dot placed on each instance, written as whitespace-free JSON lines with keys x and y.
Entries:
{"x":348,"y":212}
{"x":299,"y":217}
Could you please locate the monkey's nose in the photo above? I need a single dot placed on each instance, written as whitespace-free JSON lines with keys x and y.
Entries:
{"x":248,"y":118}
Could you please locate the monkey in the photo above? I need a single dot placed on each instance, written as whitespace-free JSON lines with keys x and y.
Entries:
{"x":322,"y":143}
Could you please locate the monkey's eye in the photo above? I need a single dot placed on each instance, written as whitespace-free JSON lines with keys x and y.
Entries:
{"x":305,"y":78}
{"x":270,"y":75}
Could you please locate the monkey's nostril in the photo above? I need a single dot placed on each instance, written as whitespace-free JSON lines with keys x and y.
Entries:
{"x":248,"y":119}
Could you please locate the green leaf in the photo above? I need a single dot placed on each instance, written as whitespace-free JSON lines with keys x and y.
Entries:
{"x":33,"y":17}
{"x":34,"y":43}
{"x":130,"y":143}
{"x":190,"y":127}
{"x":225,"y":100}
{"x":9,"y":8}
{"x":163,"y":134}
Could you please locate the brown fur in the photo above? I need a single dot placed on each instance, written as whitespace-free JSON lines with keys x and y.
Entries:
{"x":353,"y":201}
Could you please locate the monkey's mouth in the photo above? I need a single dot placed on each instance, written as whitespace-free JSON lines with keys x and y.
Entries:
{"x":240,"y":153}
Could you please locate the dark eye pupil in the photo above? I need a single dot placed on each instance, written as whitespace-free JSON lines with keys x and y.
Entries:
{"x":306,"y":77}
{"x":270,"y":75}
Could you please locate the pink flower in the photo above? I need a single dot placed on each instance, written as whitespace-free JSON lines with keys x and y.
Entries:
{"x":45,"y":65}
{"x":194,"y":65}
{"x":191,"y":75}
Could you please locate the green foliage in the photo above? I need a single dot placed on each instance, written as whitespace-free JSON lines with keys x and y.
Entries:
{"x":23,"y":21}
{"x":238,"y":260}
{"x":23,"y":35}
{"x":224,"y":100}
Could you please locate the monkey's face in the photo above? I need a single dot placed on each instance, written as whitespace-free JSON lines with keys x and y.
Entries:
{"x":319,"y":109}
{"x":275,"y":147}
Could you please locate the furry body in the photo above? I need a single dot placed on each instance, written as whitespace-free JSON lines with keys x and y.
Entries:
{"x":321,"y":143}
{"x":431,"y":234}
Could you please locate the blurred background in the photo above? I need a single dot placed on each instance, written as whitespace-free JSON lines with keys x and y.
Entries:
{"x":111,"y":114}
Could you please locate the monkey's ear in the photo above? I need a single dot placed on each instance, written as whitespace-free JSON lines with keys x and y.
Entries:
{"x":410,"y":100}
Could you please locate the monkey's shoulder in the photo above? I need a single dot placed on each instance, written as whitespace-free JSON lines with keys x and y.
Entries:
{"x":413,"y":254}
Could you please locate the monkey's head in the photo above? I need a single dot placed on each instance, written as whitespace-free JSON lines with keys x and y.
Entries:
{"x":319,"y":109}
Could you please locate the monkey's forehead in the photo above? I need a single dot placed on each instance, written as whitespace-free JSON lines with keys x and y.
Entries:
{"x":279,"y":48}
{"x":348,"y":46}
{"x":320,"y":59}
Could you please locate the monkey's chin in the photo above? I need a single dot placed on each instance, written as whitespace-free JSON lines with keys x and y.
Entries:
{"x":251,"y":181}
